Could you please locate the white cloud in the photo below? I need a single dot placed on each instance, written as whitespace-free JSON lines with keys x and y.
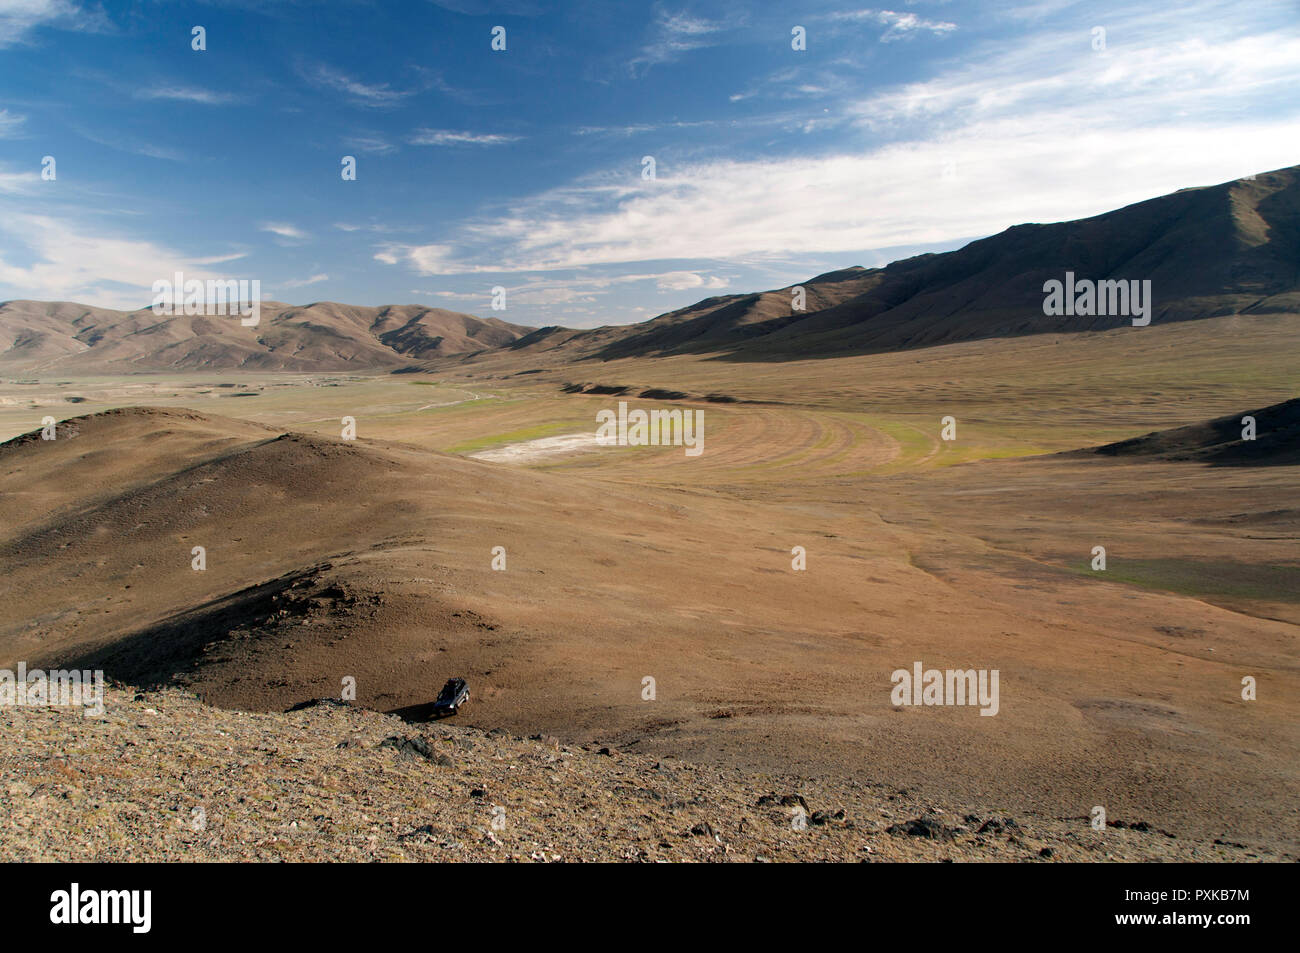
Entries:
{"x":672,"y":35}
{"x":900,"y":26}
{"x":1040,"y":130}
{"x":10,"y":124}
{"x":19,"y":17}
{"x":380,"y":227}
{"x":284,"y":230}
{"x":685,"y":280}
{"x":903,"y":26}
{"x":72,"y":263}
{"x":1005,"y":172}
{"x":634,"y":129}
{"x":450,"y":137}
{"x":1037,"y":10}
{"x":18,"y":183}
{"x":375,"y":145}
{"x":185,"y":94}
{"x":126,"y":143}
{"x":304,"y":282}
{"x":584,"y":288}
{"x":365,"y":94}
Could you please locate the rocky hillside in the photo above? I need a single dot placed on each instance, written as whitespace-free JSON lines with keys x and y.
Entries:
{"x":162,"y":777}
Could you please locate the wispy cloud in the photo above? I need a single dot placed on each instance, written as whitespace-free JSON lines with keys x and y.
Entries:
{"x":899,"y":26}
{"x":451,"y":137}
{"x":304,"y":282}
{"x":186,"y":94}
{"x":131,"y":144}
{"x":672,"y":35}
{"x":284,"y":230}
{"x":366,"y":94}
{"x":375,"y":227}
{"x":18,"y":183}
{"x":1036,"y":9}
{"x":10,"y":124}
{"x":754,"y":211}
{"x":375,"y":145}
{"x":75,"y":262}
{"x":1044,"y":130}
{"x":1151,"y":78}
{"x":637,"y":129}
{"x":687,"y":280}
{"x":585,"y":287}
{"x":19,"y":18}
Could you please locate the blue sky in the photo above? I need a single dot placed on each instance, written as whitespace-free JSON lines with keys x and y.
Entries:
{"x":908,"y":127}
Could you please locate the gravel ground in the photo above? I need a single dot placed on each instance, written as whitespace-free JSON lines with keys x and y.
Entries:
{"x":162,"y":776}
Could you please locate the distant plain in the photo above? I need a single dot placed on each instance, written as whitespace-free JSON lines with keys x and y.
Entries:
{"x":1118,"y":688}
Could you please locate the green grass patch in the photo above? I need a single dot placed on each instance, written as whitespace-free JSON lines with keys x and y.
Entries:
{"x":961,"y":454}
{"x":1269,"y":582}
{"x":913,"y":444}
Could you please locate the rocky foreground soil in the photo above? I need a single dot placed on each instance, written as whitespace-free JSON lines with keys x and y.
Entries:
{"x":161,"y":776}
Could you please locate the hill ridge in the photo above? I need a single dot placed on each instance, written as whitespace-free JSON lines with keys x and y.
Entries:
{"x":1208,"y":251}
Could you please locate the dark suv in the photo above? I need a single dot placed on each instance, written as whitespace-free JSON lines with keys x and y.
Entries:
{"x":454,"y":694}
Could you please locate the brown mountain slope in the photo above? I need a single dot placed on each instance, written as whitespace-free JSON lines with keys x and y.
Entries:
{"x":723,"y":321}
{"x":37,"y":335}
{"x":1219,"y":441}
{"x":1222,"y":249}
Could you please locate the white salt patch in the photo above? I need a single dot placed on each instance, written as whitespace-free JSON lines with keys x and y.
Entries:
{"x":531,"y":450}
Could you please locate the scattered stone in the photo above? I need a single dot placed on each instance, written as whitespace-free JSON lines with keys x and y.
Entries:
{"x":785,"y":800}
{"x":1228,"y":843}
{"x":412,"y":747}
{"x":315,"y":702}
{"x":921,"y":827}
{"x":425,"y":831}
{"x":825,"y":817}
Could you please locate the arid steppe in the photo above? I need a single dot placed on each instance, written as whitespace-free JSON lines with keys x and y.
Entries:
{"x":373,"y":558}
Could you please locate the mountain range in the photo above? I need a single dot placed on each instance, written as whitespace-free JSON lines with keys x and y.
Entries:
{"x":317,"y":337}
{"x":1232,"y":248}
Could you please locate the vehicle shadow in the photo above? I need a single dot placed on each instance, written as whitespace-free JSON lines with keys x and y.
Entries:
{"x":421,"y":712}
